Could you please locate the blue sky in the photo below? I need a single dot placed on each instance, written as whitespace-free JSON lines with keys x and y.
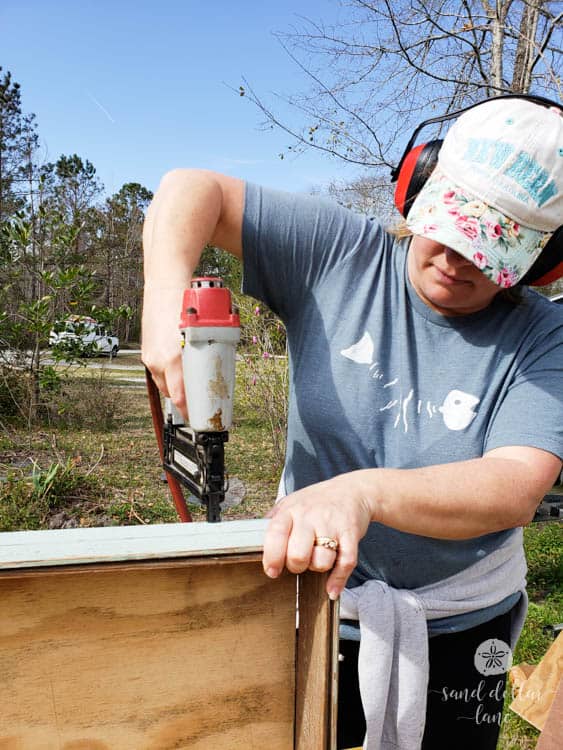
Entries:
{"x":141,"y":87}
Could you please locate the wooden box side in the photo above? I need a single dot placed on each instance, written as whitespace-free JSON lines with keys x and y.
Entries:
{"x":191,"y":653}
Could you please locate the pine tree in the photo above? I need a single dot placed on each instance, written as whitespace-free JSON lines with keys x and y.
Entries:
{"x":18,"y":142}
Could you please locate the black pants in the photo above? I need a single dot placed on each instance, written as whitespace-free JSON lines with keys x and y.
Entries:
{"x":464,"y":706}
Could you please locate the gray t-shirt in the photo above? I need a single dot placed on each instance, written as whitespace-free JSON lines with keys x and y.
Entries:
{"x":378,"y":379}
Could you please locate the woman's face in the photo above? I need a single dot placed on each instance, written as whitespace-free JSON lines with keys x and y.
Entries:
{"x":446,"y":281}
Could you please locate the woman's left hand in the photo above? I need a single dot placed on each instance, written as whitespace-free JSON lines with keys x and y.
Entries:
{"x":331,"y":510}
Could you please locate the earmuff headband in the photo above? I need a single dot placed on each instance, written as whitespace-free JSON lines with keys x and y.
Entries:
{"x":452,"y":115}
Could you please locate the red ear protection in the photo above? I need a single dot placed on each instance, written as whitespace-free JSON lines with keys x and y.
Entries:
{"x":418,"y":162}
{"x":417,"y":167}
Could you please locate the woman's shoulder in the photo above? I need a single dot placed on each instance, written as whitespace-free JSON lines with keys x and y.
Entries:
{"x":536,"y":321}
{"x":294,"y":206}
{"x":542,"y":307}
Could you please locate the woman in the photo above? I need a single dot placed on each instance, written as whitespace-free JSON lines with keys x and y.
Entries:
{"x":426,"y":408}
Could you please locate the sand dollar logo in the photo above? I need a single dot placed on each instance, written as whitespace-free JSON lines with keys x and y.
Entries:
{"x":493,"y":657}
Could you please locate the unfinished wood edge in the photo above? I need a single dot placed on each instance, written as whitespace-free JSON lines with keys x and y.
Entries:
{"x":129,"y":565}
{"x":316,"y":665}
{"x":335,"y":628}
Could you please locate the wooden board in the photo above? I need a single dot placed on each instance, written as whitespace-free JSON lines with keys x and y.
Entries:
{"x":317,"y":664}
{"x":191,"y":652}
{"x":536,"y":695}
{"x":24,"y":549}
{"x":551,"y":737}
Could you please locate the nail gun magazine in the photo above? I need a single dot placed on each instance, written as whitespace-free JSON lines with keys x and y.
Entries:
{"x":193,"y":451}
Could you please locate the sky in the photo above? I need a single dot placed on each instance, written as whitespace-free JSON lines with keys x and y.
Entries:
{"x":139,"y":88}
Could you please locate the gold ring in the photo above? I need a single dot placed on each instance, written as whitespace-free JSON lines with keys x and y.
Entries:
{"x":326,"y":541}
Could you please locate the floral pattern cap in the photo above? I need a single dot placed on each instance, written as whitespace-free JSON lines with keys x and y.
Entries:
{"x":500,"y":247}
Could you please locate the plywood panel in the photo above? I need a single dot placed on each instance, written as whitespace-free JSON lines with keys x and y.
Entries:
{"x":155,"y":656}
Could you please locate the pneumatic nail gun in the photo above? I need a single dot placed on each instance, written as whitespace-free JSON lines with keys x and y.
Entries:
{"x":194,"y":450}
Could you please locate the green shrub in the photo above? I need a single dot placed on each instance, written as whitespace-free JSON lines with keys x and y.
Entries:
{"x":85,"y":402}
{"x":263,"y":381}
{"x":14,"y":390}
{"x":27,"y":500}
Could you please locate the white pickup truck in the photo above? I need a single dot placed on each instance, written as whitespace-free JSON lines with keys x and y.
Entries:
{"x":86,"y":335}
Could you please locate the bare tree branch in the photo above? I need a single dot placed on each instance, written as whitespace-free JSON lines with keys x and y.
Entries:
{"x":386,"y":65}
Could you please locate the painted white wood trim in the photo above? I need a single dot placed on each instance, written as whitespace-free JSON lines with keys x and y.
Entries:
{"x":26,"y":549}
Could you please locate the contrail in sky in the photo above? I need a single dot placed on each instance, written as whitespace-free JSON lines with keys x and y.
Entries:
{"x":101,"y":106}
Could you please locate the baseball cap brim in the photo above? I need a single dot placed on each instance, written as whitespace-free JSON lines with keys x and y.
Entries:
{"x":500,"y":247}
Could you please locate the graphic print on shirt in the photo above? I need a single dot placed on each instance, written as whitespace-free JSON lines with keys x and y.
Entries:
{"x":457,"y":409}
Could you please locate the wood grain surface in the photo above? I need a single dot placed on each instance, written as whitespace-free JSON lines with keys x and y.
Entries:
{"x":317,"y":665}
{"x":536,"y":694}
{"x":551,"y":737}
{"x":147,"y":656}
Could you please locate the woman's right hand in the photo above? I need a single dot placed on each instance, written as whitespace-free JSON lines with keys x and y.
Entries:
{"x":161,"y":341}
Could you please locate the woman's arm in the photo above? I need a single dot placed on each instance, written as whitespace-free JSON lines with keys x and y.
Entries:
{"x":192,"y":208}
{"x":458,"y":500}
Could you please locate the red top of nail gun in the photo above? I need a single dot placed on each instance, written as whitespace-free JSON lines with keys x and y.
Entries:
{"x":208,"y":303}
